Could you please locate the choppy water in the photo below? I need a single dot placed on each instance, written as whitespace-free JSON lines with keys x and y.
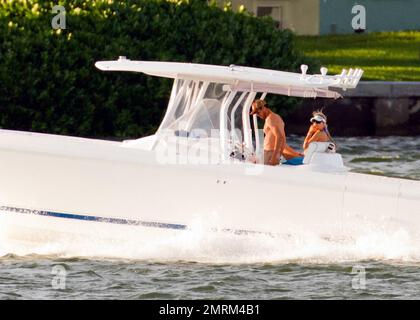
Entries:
{"x":198,"y":266}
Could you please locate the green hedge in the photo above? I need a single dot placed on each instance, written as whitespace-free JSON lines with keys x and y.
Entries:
{"x":48,"y":82}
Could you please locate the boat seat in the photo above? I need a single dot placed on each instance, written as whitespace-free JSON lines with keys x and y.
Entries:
{"x":317,"y":147}
{"x":322,"y":155}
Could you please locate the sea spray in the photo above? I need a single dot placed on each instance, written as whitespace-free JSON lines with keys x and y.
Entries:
{"x":199,"y":244}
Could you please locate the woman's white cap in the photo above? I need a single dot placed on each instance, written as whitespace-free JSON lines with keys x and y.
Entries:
{"x":318,"y":118}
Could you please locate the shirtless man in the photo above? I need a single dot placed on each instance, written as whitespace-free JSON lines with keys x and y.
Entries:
{"x":275,"y":137}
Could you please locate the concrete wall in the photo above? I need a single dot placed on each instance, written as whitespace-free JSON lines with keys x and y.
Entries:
{"x":306,"y":17}
{"x":374,"y":108}
{"x":301,"y":16}
{"x":381,"y":15}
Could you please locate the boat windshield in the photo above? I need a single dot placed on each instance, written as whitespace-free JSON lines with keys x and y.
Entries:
{"x":194,"y":109}
{"x":210,"y":112}
{"x":199,"y":122}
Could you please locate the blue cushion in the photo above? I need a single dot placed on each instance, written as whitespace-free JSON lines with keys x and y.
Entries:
{"x":294,"y":161}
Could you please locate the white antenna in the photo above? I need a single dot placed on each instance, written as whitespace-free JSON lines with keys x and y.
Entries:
{"x":304,"y":69}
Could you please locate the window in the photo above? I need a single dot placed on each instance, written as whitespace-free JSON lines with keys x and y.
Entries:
{"x":274,"y":12}
{"x":203,"y":114}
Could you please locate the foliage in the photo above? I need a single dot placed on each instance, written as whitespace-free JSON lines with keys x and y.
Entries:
{"x":48,"y":82}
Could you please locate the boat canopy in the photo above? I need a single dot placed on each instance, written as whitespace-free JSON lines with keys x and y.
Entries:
{"x":245,"y":78}
{"x":211,"y":103}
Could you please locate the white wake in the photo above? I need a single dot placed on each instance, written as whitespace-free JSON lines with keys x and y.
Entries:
{"x":205,"y":246}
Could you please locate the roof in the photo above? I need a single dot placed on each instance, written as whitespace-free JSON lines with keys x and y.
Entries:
{"x":280,"y":82}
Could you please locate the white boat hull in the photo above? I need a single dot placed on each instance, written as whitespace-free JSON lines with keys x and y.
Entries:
{"x":54,"y":185}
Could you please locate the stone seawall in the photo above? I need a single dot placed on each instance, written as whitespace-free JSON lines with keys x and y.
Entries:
{"x":373,"y":108}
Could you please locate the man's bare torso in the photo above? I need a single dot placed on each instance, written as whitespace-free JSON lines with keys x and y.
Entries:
{"x":273,"y":120}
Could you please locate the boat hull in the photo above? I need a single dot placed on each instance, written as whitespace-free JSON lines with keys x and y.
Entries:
{"x":55,"y":185}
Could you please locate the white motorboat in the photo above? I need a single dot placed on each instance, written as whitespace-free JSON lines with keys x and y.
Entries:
{"x":203,"y":164}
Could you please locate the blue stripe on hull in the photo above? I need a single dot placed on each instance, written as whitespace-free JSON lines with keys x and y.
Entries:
{"x":96,"y":219}
{"x":121,"y":221}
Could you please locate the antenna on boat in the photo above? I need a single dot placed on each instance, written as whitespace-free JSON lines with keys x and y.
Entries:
{"x":304,"y":69}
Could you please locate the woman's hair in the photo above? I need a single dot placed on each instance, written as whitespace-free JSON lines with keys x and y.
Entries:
{"x":319,"y":113}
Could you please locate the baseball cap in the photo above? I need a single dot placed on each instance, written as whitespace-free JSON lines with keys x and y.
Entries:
{"x":257,"y":105}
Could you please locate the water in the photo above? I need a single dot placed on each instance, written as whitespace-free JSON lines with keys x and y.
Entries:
{"x":196,"y":265}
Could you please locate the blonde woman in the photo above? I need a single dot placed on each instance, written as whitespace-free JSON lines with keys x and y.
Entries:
{"x":318,"y":131}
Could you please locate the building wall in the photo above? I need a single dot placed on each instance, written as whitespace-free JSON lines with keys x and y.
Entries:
{"x":381,"y":15}
{"x":305,"y":16}
{"x":301,"y":16}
